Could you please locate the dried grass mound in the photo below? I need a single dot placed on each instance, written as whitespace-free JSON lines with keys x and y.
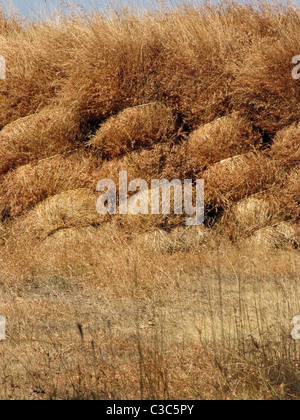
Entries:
{"x":47,"y":133}
{"x":147,"y":164}
{"x":286,"y":147}
{"x":239,"y":177}
{"x":291,"y":231}
{"x":180,"y":239}
{"x":290,"y":195}
{"x":134,"y":128}
{"x":71,"y":209}
{"x":148,"y":82}
{"x":72,"y":238}
{"x":282,"y":236}
{"x":37,"y":57}
{"x":252,"y":214}
{"x":138,"y":221}
{"x":225,"y":137}
{"x":30,"y":184}
{"x":292,"y":185}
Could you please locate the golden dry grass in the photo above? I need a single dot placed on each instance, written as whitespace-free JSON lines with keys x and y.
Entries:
{"x":135,"y":128}
{"x":238,"y":177}
{"x":30,"y":184}
{"x":49,"y":132}
{"x":286,"y":147}
{"x":69,"y":209}
{"x":120,"y":307}
{"x":222,"y":319}
{"x":213,"y":142}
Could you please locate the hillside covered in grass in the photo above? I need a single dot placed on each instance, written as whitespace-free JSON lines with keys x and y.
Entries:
{"x":189,"y":93}
{"x":197,"y":92}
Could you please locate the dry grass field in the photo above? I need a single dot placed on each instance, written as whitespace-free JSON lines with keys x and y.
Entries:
{"x":125,"y":307}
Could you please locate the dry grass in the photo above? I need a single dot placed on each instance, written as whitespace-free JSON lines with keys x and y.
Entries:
{"x":51,"y":131}
{"x":253,"y":213}
{"x":280,"y":236}
{"x":220,"y":320}
{"x":30,"y":184}
{"x":213,"y":142}
{"x":70,"y":209}
{"x":239,"y":177}
{"x":154,"y":163}
{"x":290,"y":196}
{"x":115,"y":307}
{"x":286,"y":147}
{"x":36,"y":58}
{"x":263,"y":86}
{"x":134,"y":128}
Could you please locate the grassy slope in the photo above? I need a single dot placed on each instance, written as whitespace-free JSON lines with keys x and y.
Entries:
{"x":163,"y":95}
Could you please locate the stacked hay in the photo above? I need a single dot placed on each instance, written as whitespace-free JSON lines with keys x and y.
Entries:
{"x":251,"y":214}
{"x":180,"y":239}
{"x":170,"y":209}
{"x":238,"y":177}
{"x":147,"y":164}
{"x":225,"y":137}
{"x":134,"y":128}
{"x":89,"y":85}
{"x":49,"y":132}
{"x":209,"y":144}
{"x":71,"y":209}
{"x":30,"y":184}
{"x":138,"y":223}
{"x":286,"y":147}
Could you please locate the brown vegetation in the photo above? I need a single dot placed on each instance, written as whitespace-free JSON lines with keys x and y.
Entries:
{"x":194,"y":92}
{"x":134,"y":128}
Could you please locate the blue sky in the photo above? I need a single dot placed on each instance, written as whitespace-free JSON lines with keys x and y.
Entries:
{"x":31,"y":8}
{"x":34,"y":8}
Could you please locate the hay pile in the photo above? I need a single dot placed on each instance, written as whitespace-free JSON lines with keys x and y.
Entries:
{"x":180,"y":239}
{"x":159,"y":96}
{"x":147,"y":164}
{"x":213,"y":142}
{"x":134,"y":128}
{"x":71,"y":209}
{"x":286,"y":147}
{"x":46,"y":133}
{"x":30,"y":184}
{"x":283,"y":236}
{"x":289,"y":196}
{"x":252,"y":214}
